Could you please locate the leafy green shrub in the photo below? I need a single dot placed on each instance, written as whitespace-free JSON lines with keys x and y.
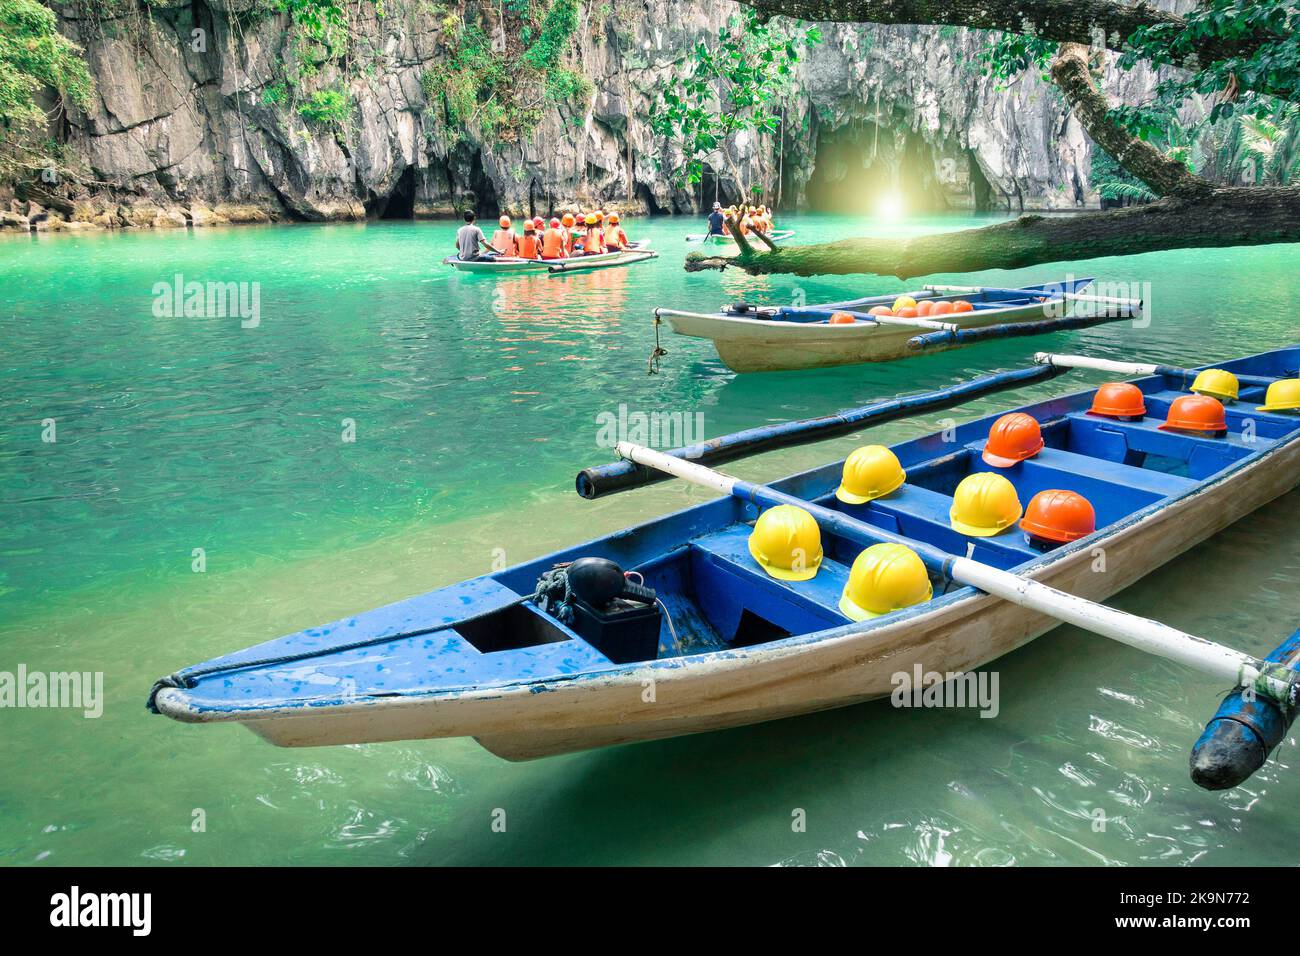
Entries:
{"x":328,"y":107}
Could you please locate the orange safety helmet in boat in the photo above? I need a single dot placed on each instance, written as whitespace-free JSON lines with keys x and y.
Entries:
{"x":1217,"y":383}
{"x":1196,"y":413}
{"x":1012,"y":439}
{"x":1060,"y":516}
{"x":871,"y":472}
{"x":884,"y":578}
{"x":983,"y":505}
{"x":504,"y":222}
{"x":1283,"y":396}
{"x":841,"y":318}
{"x":1119,"y":400}
{"x":568,"y":219}
{"x":787,"y":543}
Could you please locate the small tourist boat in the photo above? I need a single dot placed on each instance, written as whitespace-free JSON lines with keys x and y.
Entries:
{"x":504,"y":265}
{"x":753,"y":338}
{"x":675,"y":626}
{"x":776,"y":235}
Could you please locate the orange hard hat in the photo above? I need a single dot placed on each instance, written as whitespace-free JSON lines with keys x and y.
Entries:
{"x":1059,"y":516}
{"x":943,"y":308}
{"x":568,"y":219}
{"x":1012,"y":439}
{"x":842,"y":318}
{"x":613,"y":217}
{"x":1196,"y":413}
{"x":555,"y":224}
{"x":528,"y":226}
{"x":880,"y":310}
{"x":961,"y":305}
{"x":1119,"y":400}
{"x":505,"y":222}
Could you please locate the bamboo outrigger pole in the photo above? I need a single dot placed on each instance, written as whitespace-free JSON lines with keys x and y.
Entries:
{"x":1273,"y":680}
{"x":1132,"y":368}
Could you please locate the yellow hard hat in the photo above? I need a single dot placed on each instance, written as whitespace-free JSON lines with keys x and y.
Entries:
{"x":787,"y":543}
{"x":1217,"y":383}
{"x":1283,"y":396}
{"x":904,"y":302}
{"x":984,"y":504}
{"x":870,"y":472}
{"x":884,"y":578}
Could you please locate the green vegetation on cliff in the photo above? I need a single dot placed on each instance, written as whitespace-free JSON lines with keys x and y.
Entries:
{"x":33,"y":56}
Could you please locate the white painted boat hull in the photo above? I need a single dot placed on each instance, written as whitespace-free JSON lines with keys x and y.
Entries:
{"x":765,"y":345}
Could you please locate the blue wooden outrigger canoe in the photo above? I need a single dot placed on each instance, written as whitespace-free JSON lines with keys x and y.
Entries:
{"x":721,"y":643}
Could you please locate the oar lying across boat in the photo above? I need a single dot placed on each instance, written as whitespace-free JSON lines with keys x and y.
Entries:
{"x":560,"y":654}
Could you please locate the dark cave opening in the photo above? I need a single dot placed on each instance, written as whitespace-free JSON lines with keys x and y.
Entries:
{"x":400,"y":203}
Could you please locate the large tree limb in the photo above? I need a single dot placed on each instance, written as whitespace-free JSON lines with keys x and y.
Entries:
{"x":1227,"y":216}
{"x":1089,"y":22}
{"x":1168,"y":177}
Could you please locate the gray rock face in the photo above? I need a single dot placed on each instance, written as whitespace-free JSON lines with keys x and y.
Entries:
{"x":186,"y":118}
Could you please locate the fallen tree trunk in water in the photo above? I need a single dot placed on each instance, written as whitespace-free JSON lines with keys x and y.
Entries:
{"x":1226,"y":216}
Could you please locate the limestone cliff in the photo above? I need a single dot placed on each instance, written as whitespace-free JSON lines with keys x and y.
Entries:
{"x":188,"y":122}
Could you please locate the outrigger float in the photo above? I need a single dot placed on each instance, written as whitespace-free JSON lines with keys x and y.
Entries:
{"x":717,"y":239}
{"x":504,"y":265}
{"x":925,"y":566}
{"x":752,"y":338}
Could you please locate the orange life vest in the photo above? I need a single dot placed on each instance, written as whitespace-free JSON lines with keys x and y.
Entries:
{"x":553,"y":244}
{"x":503,"y":241}
{"x":528,"y":246}
{"x":593,"y":243}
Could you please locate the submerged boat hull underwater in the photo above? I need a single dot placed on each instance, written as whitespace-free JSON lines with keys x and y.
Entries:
{"x":743,"y":647}
{"x":792,"y":338}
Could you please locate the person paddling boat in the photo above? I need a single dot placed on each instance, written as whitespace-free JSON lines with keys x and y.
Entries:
{"x":717,"y":221}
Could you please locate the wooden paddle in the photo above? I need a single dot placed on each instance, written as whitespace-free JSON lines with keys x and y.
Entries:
{"x":1221,"y":663}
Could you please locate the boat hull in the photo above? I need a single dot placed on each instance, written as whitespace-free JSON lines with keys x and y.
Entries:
{"x":835,"y":668}
{"x":762,"y":345}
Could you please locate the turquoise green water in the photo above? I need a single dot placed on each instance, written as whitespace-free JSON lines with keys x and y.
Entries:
{"x":473,"y":402}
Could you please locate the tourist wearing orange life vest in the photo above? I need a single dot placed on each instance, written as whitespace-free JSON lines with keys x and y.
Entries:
{"x":527,"y":246}
{"x":554,"y":242}
{"x":504,"y":240}
{"x":615,"y":237}
{"x":593,"y":243}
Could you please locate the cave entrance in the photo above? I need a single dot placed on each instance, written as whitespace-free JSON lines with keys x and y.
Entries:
{"x":859,"y":170}
{"x":400,"y":203}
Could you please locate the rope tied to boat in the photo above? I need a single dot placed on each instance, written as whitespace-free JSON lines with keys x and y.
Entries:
{"x":659,"y":351}
{"x":552,"y":583}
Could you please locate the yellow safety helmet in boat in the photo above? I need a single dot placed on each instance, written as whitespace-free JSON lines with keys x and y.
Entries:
{"x":1283,"y":396}
{"x":787,"y":543}
{"x":884,"y":578}
{"x":871,"y":472}
{"x":904,"y":302}
{"x":1217,"y":383}
{"x":984,"y":504}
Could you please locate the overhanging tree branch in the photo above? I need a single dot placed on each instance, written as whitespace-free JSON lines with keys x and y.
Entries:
{"x":1228,"y":216}
{"x":1090,"y":22}
{"x":1167,"y":177}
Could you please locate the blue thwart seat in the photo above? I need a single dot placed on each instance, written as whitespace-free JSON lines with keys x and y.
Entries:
{"x":1132,"y":441}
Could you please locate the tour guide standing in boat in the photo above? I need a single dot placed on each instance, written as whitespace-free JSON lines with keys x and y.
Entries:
{"x":716,"y":220}
{"x":469,"y":239}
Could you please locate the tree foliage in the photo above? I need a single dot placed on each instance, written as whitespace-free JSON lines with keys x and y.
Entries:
{"x":732,"y":85}
{"x":33,"y":56}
